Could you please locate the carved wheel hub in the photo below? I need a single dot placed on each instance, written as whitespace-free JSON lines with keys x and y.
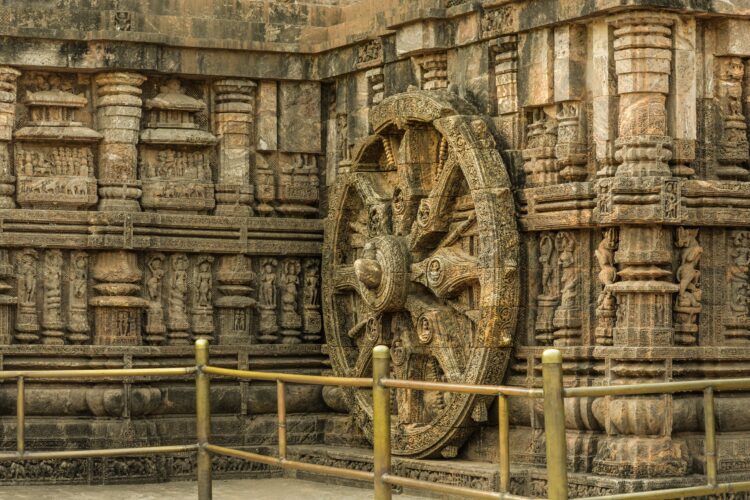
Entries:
{"x":421,"y":255}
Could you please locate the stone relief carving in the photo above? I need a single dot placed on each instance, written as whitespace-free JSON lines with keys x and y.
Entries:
{"x":402,"y":265}
{"x":549,"y":298}
{"x":688,"y":301}
{"x":78,"y":321}
{"x":733,"y":147}
{"x":178,"y":296}
{"x":27,"y":322}
{"x":540,"y":163}
{"x":267,"y":301}
{"x":606,"y":304}
{"x":567,"y":318}
{"x":155,"y":272}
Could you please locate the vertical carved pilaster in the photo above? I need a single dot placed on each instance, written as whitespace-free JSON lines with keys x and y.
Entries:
{"x":504,"y":57}
{"x":267,"y":301}
{"x":155,"y":328}
{"x":291,"y":321}
{"x":235,"y":108}
{"x":549,"y":299}
{"x":117,"y":305}
{"x":311,"y":319}
{"x":7,"y":301}
{"x":606,"y":305}
{"x":178,"y":295}
{"x":433,"y":70}
{"x":643,"y":58}
{"x":637,"y":446}
{"x":27,"y":321}
{"x":203,"y":309}
{"x":737,"y":315}
{"x":52,"y":323}
{"x":540,"y":164}
{"x":78,"y":320}
{"x":8,"y":77}
{"x":567,"y":318}
{"x":733,"y":151}
{"x":118,"y":113}
{"x":236,"y":279}
{"x":375,"y":86}
{"x":571,"y":151}
{"x":688,"y":302}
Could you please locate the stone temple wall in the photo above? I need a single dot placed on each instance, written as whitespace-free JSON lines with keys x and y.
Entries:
{"x":166,"y":166}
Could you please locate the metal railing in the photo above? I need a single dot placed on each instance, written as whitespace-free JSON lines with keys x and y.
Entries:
{"x":553,"y":393}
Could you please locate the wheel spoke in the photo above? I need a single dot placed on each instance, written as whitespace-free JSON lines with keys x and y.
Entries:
{"x":447,"y":272}
{"x":344,"y":278}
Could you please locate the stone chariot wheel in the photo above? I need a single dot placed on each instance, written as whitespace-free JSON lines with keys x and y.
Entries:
{"x":421,"y":254}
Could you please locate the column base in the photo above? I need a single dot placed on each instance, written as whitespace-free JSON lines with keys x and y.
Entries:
{"x":641,"y":457}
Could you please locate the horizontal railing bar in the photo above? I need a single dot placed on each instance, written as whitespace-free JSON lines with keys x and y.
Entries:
{"x":690,"y":491}
{"x":485,"y":390}
{"x":292,"y":378}
{"x":113,"y":452}
{"x":358,"y":475}
{"x":733,"y":384}
{"x":98,"y":373}
{"x":446,"y":489}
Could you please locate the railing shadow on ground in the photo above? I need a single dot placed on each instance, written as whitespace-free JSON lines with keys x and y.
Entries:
{"x":552,"y":392}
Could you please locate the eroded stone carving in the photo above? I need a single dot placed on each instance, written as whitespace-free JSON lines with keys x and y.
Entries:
{"x":78,"y":321}
{"x":155,"y":272}
{"x":733,"y":151}
{"x":606,"y":304}
{"x":202,"y":305}
{"x":688,"y":301}
{"x":267,"y":298}
{"x":178,"y":296}
{"x":407,"y":264}
{"x":175,"y":159}
{"x":27,"y":323}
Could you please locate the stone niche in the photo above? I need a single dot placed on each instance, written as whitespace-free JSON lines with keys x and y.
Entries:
{"x":175,"y":154}
{"x":54,"y":153}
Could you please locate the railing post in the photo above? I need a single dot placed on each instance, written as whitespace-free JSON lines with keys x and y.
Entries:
{"x":554,"y":425}
{"x":20,"y":416}
{"x":203,"y":419}
{"x":504,"y":442}
{"x":381,"y":421}
{"x":281,"y":409}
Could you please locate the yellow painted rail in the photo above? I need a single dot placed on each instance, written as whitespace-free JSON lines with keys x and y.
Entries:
{"x":553,"y":394}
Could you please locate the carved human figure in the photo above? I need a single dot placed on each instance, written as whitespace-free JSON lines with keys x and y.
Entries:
{"x":605,"y":256}
{"x":565,"y":245}
{"x":267,"y":301}
{"x":178,"y":289}
{"x":52,"y":312}
{"x":738,"y":273}
{"x":27,"y":323}
{"x":155,"y":327}
{"x":204,"y":283}
{"x":688,"y":302}
{"x":78,"y":324}
{"x":202,"y":311}
{"x":546,"y":249}
{"x":291,"y":321}
{"x":267,"y":292}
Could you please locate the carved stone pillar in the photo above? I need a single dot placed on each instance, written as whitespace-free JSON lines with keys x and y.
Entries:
{"x":433,"y":70}
{"x":567,"y":319}
{"x":52,"y":323}
{"x":639,"y":442}
{"x":27,"y":321}
{"x":235,"y":108}
{"x":733,"y":151}
{"x":7,"y":301}
{"x":8,"y":77}
{"x":202,"y":309}
{"x":78,"y":321}
{"x":179,"y":327}
{"x":643,"y":58}
{"x":235,"y":278}
{"x":118,"y":116}
{"x":312,"y":323}
{"x":539,"y":161}
{"x":606,"y":305}
{"x":117,"y":306}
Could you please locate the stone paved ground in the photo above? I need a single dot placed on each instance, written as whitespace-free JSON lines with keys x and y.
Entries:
{"x":255,"y":489}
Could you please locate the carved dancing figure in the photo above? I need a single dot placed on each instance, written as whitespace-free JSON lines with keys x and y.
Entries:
{"x":267,"y":291}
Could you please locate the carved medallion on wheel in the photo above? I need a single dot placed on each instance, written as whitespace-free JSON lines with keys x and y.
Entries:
{"x":421,"y":254}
